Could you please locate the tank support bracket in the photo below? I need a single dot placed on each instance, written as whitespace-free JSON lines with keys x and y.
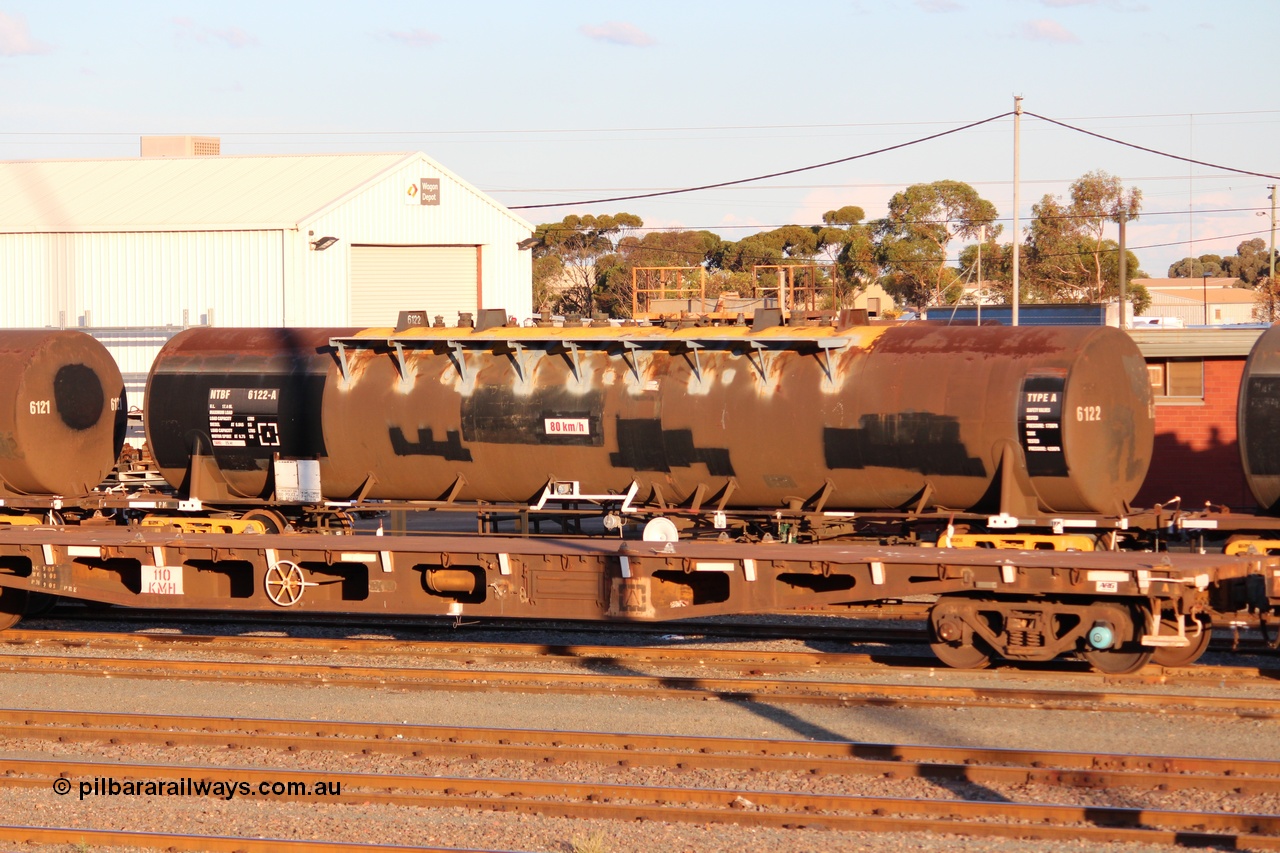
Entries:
{"x":341,"y":350}
{"x":402,"y":366}
{"x":693,"y":347}
{"x":459,"y":358}
{"x":517,"y":359}
{"x":634,"y":362}
{"x":573,"y":360}
{"x":759,"y":363}
{"x":824,"y":355}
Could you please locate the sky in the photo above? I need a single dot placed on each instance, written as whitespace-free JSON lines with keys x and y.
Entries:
{"x":569,"y":102}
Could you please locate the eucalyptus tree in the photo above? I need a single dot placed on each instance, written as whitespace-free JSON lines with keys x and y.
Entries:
{"x":572,"y":258}
{"x":913,"y":240}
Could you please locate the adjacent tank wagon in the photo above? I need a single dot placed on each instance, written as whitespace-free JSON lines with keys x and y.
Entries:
{"x":1258,"y":420}
{"x":62,"y":413}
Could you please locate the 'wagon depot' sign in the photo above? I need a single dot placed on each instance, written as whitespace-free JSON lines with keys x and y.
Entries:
{"x":424,"y":191}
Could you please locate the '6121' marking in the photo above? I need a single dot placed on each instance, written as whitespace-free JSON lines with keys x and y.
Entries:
{"x":45,"y":407}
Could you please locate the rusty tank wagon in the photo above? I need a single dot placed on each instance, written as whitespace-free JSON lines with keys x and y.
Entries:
{"x":62,"y":413}
{"x":1030,"y":421}
{"x":1001,"y":430}
{"x":1258,"y":420}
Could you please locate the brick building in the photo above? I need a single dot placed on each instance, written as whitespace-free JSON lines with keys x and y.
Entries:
{"x":1195,"y":374}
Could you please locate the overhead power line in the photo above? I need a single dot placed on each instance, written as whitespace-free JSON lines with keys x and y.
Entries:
{"x":1153,"y":150}
{"x":770,"y":175}
{"x":884,"y":150}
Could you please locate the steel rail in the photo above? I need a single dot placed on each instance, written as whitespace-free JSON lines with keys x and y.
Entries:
{"x":469,"y":652}
{"x":792,"y":691}
{"x":897,"y":625}
{"x":748,"y":660}
{"x":1009,"y":766}
{"x":97,"y":838}
{"x":629,"y":802}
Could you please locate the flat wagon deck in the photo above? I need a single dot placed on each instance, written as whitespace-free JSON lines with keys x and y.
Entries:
{"x":1032,"y":605}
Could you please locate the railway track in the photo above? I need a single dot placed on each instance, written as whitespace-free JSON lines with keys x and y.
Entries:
{"x":743,"y":805}
{"x":745,"y":661}
{"x":614,"y":671}
{"x":896,"y":623}
{"x":984,"y":765}
{"x":84,"y":839}
{"x":696,"y":805}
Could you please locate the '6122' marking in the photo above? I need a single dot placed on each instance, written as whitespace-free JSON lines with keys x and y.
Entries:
{"x":1088,"y":413}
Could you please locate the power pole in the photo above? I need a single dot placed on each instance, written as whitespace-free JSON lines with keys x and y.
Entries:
{"x":982,"y":238}
{"x":1017,"y":150}
{"x":1271,"y":281}
{"x":1124,"y":272}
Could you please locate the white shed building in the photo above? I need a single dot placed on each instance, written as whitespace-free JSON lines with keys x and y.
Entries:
{"x":123,"y":245}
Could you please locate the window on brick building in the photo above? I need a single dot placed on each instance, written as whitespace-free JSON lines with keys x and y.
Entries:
{"x":1177,"y":378}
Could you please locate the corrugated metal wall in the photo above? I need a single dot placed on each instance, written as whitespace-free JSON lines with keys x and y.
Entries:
{"x":134,"y":350}
{"x":257,"y":277}
{"x":379,"y":215}
{"x":385,"y":280}
{"x":142,"y":279}
{"x":1194,"y":312}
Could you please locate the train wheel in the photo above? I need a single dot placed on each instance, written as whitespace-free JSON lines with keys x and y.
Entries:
{"x":341,"y":522}
{"x":961,"y":656}
{"x":1186,"y":655}
{"x":1104,"y":646}
{"x":13,"y":603}
{"x":1117,"y":661}
{"x":273,"y":521}
{"x":951,"y":637}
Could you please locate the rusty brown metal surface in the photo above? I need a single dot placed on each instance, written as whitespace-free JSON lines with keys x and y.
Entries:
{"x":62,"y":413}
{"x":1019,"y":421}
{"x":236,"y":397}
{"x":576,"y":579}
{"x":1013,"y":420}
{"x":1258,"y":420}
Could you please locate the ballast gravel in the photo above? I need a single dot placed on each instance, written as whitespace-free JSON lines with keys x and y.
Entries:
{"x":350,"y":819}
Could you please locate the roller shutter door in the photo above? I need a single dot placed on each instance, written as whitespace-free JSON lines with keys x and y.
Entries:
{"x":386,"y":280}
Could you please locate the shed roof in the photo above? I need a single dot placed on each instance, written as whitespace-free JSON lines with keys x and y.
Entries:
{"x":1213,"y":295}
{"x":191,"y":193}
{"x":1196,"y":343}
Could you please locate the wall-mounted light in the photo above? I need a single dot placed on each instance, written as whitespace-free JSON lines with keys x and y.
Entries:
{"x":528,"y":243}
{"x":323,"y":243}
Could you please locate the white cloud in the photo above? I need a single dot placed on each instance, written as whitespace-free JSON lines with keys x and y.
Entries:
{"x":618,"y":32}
{"x":939,"y":5}
{"x":15,"y":38}
{"x":231,"y":36}
{"x":414,"y":38}
{"x":1046,"y":30}
{"x":1114,"y":5}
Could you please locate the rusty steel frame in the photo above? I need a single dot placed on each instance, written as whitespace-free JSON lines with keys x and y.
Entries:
{"x":793,"y":297}
{"x":640,"y":306}
{"x":590,"y":579}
